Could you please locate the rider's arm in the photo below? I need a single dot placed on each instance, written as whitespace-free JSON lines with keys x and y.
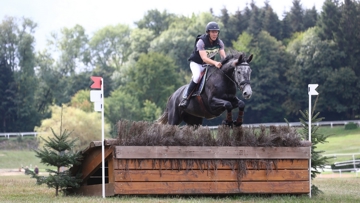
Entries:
{"x":222,"y":53}
{"x":222,"y":50}
{"x":207,"y":60}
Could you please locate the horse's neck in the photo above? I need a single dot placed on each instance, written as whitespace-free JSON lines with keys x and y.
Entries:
{"x":228,"y":69}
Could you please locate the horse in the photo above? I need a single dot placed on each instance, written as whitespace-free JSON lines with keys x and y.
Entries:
{"x":217,"y":95}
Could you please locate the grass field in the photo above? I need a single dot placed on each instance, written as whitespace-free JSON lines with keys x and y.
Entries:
{"x":12,"y":159}
{"x":340,"y":142}
{"x":22,"y":188}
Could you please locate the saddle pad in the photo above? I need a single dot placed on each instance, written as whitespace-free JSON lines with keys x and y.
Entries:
{"x":200,"y":87}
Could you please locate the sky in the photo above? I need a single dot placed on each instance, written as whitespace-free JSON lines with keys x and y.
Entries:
{"x":53,"y":15}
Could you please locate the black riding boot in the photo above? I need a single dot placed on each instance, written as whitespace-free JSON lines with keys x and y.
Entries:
{"x":185,"y":102}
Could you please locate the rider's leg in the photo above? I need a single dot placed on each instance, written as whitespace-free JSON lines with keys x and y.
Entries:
{"x":185,"y":102}
{"x":196,"y":70}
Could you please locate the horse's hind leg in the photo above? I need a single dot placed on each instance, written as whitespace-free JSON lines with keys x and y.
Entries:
{"x":228,"y":121}
{"x":174,"y":117}
{"x":191,"y":120}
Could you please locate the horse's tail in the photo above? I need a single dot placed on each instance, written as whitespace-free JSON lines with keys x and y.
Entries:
{"x":163,"y":118}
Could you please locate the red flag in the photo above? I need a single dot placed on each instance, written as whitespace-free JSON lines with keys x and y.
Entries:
{"x":97,"y":82}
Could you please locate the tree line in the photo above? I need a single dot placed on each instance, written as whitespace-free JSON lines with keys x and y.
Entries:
{"x":144,"y":65}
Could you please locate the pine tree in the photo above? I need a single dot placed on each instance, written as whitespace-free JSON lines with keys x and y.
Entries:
{"x":310,"y":18}
{"x":7,"y":93}
{"x":58,"y":152}
{"x":317,"y":161}
{"x":329,"y":20}
{"x":296,"y":16}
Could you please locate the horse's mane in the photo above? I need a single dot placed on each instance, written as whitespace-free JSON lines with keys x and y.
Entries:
{"x":230,"y":56}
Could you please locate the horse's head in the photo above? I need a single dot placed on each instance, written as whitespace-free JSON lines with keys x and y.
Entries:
{"x":242,"y":72}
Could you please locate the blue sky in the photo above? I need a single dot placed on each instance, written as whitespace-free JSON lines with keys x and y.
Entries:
{"x":52,"y":15}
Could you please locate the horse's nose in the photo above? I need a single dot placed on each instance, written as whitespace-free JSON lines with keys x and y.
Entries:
{"x":246,"y":95}
{"x":247,"y":92}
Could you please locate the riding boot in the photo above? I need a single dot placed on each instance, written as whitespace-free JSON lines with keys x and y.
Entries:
{"x":185,"y":102}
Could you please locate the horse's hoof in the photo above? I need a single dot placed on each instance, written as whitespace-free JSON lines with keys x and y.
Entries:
{"x":228,"y":123}
{"x":237,"y":124}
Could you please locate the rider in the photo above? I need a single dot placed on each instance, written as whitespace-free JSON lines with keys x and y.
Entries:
{"x":207,"y":46}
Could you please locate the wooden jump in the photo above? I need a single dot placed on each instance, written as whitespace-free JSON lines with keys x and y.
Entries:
{"x":191,"y":170}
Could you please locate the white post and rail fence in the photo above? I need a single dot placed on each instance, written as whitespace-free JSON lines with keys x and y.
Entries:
{"x":256,"y":125}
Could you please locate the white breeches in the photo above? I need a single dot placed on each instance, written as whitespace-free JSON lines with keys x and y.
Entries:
{"x":196,"y":69}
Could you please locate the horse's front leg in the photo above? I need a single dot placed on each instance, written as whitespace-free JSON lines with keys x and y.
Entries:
{"x":241,"y":105}
{"x":216,"y":103}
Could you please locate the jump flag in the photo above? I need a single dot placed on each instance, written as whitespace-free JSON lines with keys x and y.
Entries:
{"x":312,"y":89}
{"x":97,"y":82}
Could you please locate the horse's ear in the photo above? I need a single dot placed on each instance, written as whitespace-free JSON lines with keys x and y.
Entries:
{"x":250,"y":58}
{"x":238,"y":62}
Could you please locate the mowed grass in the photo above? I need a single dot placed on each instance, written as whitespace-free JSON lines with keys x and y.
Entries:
{"x":340,"y":141}
{"x":13,"y":159}
{"x":22,"y":188}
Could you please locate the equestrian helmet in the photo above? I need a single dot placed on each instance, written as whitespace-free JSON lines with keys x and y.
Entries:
{"x":212,"y":26}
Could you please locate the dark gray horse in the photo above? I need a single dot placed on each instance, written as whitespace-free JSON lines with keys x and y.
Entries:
{"x":218,"y":94}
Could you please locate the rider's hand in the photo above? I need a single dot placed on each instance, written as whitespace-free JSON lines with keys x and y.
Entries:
{"x":218,"y":65}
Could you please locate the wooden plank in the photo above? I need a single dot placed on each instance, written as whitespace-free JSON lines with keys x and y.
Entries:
{"x":110,"y":169}
{"x":144,"y":188}
{"x":208,"y":175}
{"x":210,"y":152}
{"x":95,"y":190}
{"x":194,"y":164}
{"x":93,"y":162}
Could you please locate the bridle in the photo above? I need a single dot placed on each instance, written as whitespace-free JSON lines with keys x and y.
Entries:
{"x":242,"y":83}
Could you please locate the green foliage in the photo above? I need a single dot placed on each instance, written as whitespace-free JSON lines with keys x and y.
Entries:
{"x":317,"y":160}
{"x":121,"y":105}
{"x":271,"y":22}
{"x":310,"y":18}
{"x":153,"y":78}
{"x":351,"y":126}
{"x":255,"y":22}
{"x":7,"y":93}
{"x":86,"y":127}
{"x":329,"y":20}
{"x":156,"y":21}
{"x":339,"y":23}
{"x":58,"y":152}
{"x":69,"y":70}
{"x":174,"y":43}
{"x":313,"y":62}
{"x":150,"y":112}
{"x":268,"y":68}
{"x":110,"y":46}
{"x":296,"y":16}
{"x":109,"y":49}
{"x":81,"y":100}
{"x":140,"y":42}
{"x":17,"y":55}
{"x":71,"y":46}
{"x":325,"y":54}
{"x":243,"y":43}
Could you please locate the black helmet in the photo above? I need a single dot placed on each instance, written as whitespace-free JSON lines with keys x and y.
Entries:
{"x":212,"y":26}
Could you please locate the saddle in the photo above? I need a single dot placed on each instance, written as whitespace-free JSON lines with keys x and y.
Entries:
{"x":200,"y":86}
